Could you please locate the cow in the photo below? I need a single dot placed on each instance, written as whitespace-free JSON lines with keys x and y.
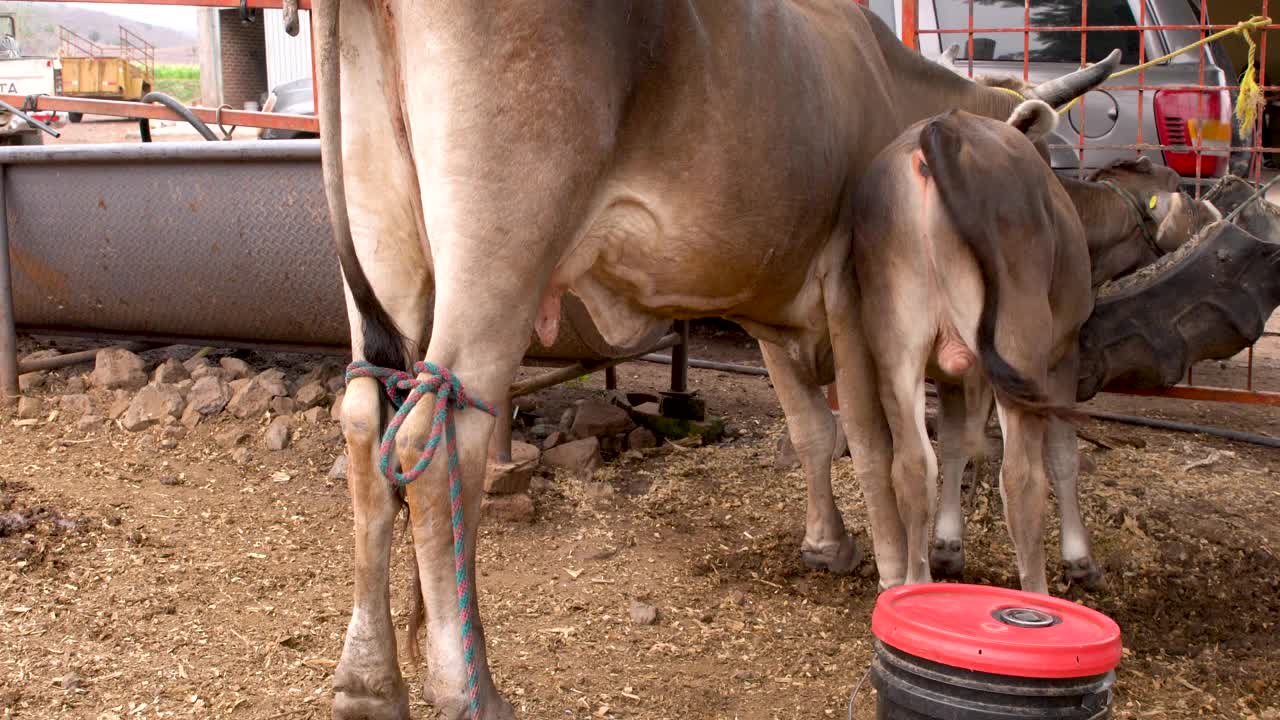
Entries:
{"x":660,"y":159}
{"x":1131,"y":212}
{"x":971,"y":260}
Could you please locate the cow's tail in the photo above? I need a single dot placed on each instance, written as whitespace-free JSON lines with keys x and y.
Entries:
{"x":382,"y":343}
{"x":973,"y":216}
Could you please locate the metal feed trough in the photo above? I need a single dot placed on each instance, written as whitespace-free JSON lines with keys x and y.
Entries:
{"x":224,"y":243}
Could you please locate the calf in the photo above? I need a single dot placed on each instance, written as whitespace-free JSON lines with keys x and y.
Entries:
{"x":968,"y":242}
{"x":1132,"y":213}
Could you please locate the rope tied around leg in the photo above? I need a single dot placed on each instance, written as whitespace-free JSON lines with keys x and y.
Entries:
{"x":405,"y":391}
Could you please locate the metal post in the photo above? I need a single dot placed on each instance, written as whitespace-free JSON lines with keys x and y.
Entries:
{"x":911,"y":24}
{"x":500,"y":442}
{"x":611,"y":378}
{"x":680,"y":359}
{"x":8,"y":334}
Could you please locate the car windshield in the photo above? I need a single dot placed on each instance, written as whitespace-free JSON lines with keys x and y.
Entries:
{"x":1053,"y":47}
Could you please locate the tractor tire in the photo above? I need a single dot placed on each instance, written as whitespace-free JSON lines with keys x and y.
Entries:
{"x":1208,"y":300}
{"x":75,"y":117}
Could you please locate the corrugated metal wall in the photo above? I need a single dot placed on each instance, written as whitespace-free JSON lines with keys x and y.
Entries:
{"x":288,"y":58}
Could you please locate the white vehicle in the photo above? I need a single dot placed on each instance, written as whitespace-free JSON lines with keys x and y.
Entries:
{"x":24,"y":76}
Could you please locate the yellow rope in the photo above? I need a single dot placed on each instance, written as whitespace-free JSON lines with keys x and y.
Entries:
{"x":1250,"y":94}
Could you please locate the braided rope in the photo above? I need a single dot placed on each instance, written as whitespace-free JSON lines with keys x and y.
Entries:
{"x":405,"y":390}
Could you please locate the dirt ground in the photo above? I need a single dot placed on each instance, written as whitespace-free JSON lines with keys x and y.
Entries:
{"x":139,"y":582}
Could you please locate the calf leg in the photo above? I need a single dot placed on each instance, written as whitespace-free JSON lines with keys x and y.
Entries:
{"x":827,"y":545}
{"x":1023,"y":487}
{"x":1063,"y":463}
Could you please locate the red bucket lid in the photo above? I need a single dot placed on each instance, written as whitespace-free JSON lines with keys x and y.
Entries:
{"x":997,"y":630}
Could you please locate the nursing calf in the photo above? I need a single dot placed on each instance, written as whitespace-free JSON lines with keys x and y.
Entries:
{"x":970,"y":258}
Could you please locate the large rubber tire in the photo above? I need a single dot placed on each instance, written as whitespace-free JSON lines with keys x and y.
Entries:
{"x":1208,"y":300}
{"x":75,"y":117}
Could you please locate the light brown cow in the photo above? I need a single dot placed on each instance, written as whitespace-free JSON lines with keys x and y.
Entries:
{"x":970,"y":243}
{"x":1131,"y":210}
{"x":659,"y":159}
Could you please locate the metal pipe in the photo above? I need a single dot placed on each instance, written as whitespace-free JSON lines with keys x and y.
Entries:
{"x":182,"y":111}
{"x":555,"y":377}
{"x":680,"y":359}
{"x":500,"y":440}
{"x":611,"y":378}
{"x":121,"y":108}
{"x":708,"y":365}
{"x":187,"y":150}
{"x":29,"y":120}
{"x":1244,"y":437}
{"x":8,"y":333}
{"x":75,"y":358}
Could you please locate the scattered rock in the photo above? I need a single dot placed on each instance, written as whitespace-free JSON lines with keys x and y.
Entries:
{"x":232,"y":437}
{"x":71,"y":681}
{"x":335,"y":410}
{"x":642,"y":614}
{"x":151,"y":405}
{"x":254,"y":397}
{"x":30,"y":408}
{"x":311,"y":395}
{"x":195,"y":361}
{"x":512,"y":477}
{"x":171,"y":371}
{"x":191,"y":417}
{"x":552,"y":440}
{"x":277,"y":436}
{"x":184,"y":387}
{"x":337,"y":383}
{"x":236,"y":368}
{"x":314,"y":375}
{"x":595,"y":418}
{"x":32,"y":381}
{"x":170,"y":436}
{"x":283,"y":406}
{"x":315,"y":415}
{"x":541,"y":431}
{"x":74,"y":406}
{"x":334,"y":434}
{"x":517,"y":508}
{"x":209,"y":395}
{"x":90,"y":422}
{"x":580,"y":457}
{"x":171,"y":481}
{"x":241,"y":456}
{"x":649,"y":408}
{"x":120,"y":405}
{"x":75,"y":385}
{"x":119,"y":368}
{"x":338,"y":471}
{"x":204,"y":370}
{"x":636,"y":399}
{"x":566,"y":420}
{"x":641,"y":439}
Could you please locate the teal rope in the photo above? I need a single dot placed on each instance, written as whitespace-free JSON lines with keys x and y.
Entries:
{"x":405,"y":391}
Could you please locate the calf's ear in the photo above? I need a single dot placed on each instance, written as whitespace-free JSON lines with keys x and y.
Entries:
{"x":1034,"y":118}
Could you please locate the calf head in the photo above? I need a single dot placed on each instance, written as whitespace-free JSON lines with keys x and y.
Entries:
{"x":1176,"y":215}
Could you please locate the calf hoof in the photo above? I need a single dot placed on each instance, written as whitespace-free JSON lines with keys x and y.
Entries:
{"x":946,"y":559}
{"x":837,"y":558}
{"x":1085,"y":573}
{"x":351,"y":706}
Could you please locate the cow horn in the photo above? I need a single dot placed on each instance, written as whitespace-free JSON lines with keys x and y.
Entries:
{"x":1060,"y":91}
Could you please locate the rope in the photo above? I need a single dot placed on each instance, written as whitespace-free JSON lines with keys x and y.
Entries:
{"x":1144,"y":214}
{"x":405,"y":390}
{"x":1250,"y":94}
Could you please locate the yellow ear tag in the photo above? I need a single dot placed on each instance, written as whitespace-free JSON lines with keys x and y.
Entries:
{"x":1155,"y":199}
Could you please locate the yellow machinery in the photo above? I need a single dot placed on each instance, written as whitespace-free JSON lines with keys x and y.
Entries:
{"x":123,"y":72}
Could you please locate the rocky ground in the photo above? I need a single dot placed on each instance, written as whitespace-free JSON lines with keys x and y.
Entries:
{"x":175,"y":542}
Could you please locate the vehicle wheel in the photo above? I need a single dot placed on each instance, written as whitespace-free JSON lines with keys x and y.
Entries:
{"x":75,"y":117}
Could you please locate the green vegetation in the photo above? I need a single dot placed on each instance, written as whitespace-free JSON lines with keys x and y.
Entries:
{"x":177,"y":72}
{"x":180,"y":81}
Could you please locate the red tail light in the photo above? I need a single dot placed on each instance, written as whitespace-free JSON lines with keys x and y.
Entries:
{"x":1201,"y":120}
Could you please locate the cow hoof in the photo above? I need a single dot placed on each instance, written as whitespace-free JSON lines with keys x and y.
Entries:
{"x":836,"y":558}
{"x":493,"y":707}
{"x":1085,"y":573}
{"x":352,"y":706}
{"x":946,"y":559}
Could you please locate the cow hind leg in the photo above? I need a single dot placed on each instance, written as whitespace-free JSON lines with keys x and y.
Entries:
{"x":946,"y":556}
{"x":1024,"y":489}
{"x":827,"y":545}
{"x":1063,"y":464}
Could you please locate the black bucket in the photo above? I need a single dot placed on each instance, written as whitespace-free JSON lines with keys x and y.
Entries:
{"x":965,"y":652}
